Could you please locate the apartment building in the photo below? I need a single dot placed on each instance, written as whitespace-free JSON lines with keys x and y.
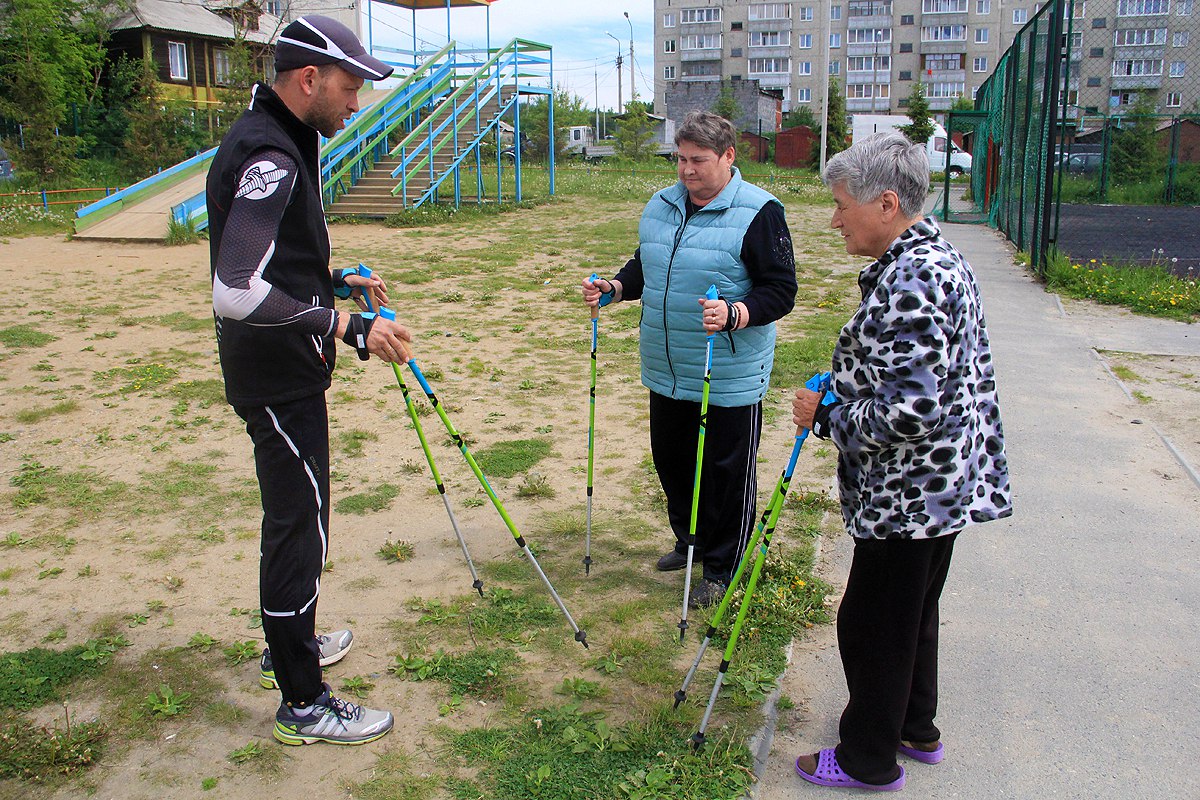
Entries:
{"x":877,"y":49}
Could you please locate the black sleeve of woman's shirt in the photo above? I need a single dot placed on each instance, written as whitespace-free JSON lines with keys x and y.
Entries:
{"x":631,"y":277}
{"x":767,"y":254}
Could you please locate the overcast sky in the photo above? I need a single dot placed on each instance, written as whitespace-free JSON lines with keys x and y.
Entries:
{"x":583,"y":54}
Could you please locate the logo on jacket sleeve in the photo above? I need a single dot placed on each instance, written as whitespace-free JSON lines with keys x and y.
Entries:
{"x":260,"y":181}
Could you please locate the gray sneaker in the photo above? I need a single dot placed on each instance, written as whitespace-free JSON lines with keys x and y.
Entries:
{"x":333,"y":646}
{"x":332,"y":720}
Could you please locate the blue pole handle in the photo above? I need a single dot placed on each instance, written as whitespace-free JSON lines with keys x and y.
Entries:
{"x":365,"y":272}
{"x":711,"y":294}
{"x":605,"y":297}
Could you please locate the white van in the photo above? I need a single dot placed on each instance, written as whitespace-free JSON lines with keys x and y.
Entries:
{"x":864,"y":125}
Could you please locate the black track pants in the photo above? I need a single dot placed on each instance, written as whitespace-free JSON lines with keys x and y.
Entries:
{"x":291,"y":456}
{"x":887,"y":628}
{"x":727,"y":481}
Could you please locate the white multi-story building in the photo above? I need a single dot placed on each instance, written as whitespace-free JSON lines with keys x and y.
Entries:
{"x":877,"y":49}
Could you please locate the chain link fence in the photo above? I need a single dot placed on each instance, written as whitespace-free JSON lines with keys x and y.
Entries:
{"x":1086,"y":138}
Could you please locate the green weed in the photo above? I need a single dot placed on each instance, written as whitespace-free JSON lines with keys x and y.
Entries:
{"x":378,"y":499}
{"x":396,"y":552}
{"x":32,"y":678}
{"x":506,"y":459}
{"x":166,"y":702}
{"x":535,"y":485}
{"x":47,"y":756}
{"x":82,"y":490}
{"x":30,"y":416}
{"x":350,"y":443}
{"x":21,"y":336}
{"x":393,"y":778}
{"x":1147,"y":289}
{"x":483,"y":673}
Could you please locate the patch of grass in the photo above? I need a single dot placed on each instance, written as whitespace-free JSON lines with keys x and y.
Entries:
{"x":21,"y":336}
{"x":483,"y":673}
{"x":32,"y":678}
{"x":1125,"y":373}
{"x":82,"y":490}
{"x":30,"y":416}
{"x":535,"y":485}
{"x":506,"y":459}
{"x":137,"y":378}
{"x":396,"y":552}
{"x":181,"y":232}
{"x":180,"y":322}
{"x":47,"y":756}
{"x":204,"y":392}
{"x":392,"y":778}
{"x":377,"y":499}
{"x":1149,"y":289}
{"x":350,"y":443}
{"x":561,"y":753}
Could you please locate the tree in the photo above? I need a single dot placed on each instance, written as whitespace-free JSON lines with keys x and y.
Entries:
{"x":835,"y":118}
{"x":45,"y":65}
{"x":727,"y":106}
{"x":801,"y":115}
{"x":569,"y":110}
{"x":1135,"y":155}
{"x":921,"y":127}
{"x":962,"y":103}
{"x":635,"y":132}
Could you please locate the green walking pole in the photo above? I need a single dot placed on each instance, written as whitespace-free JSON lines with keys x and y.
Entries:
{"x":711,"y":294}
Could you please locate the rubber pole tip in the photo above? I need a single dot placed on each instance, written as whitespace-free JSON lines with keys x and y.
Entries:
{"x":587,"y":565}
{"x":680,"y":696}
{"x":581,"y":637}
{"x":697,"y":740}
{"x":478,"y":586}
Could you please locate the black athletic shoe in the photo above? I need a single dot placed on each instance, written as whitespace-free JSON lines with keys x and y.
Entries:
{"x":706,"y":593}
{"x":673,"y":561}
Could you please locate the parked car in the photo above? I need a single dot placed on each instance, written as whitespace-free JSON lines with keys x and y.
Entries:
{"x":6,"y":171}
{"x":1084,"y":163}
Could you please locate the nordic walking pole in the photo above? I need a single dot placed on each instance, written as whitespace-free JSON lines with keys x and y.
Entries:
{"x":580,"y":635}
{"x":605,"y":299}
{"x":816,"y":383}
{"x":476,"y":583}
{"x":711,"y":294}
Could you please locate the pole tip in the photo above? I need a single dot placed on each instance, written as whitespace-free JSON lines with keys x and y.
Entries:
{"x":680,"y":696}
{"x":697,"y":740}
{"x":587,"y":565}
{"x":581,"y":637}
{"x":478,"y":586}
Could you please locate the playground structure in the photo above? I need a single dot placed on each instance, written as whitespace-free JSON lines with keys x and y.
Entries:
{"x":421,"y":141}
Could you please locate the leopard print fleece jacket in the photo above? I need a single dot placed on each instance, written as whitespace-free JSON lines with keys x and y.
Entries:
{"x":921,"y":447}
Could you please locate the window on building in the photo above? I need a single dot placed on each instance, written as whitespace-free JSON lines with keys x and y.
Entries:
{"x":1020,"y":16}
{"x":770,"y":11}
{"x":943,"y":6}
{"x":735,"y":26}
{"x":868,"y":35}
{"x":869,"y":8}
{"x":275,"y":8}
{"x":907,"y":19}
{"x":735,"y":52}
{"x":804,"y":41}
{"x":669,"y":72}
{"x":691,"y":16}
{"x":177,"y":54}
{"x":940,"y":90}
{"x":835,"y":12}
{"x":1181,"y":38}
{"x":1080,"y":10}
{"x":1131,"y":37}
{"x":1142,"y":8}
{"x":804,"y":95}
{"x":805,"y":68}
{"x":944,"y":33}
{"x":1096,"y":52}
{"x":701,"y":69}
{"x":942,"y":61}
{"x":769,"y":66}
{"x":1184,"y":8}
{"x":835,"y":67}
{"x":981,"y":36}
{"x":1121,"y":97}
{"x":979,"y":64}
{"x":974,"y":92}
{"x":905,"y":75}
{"x":669,"y":20}
{"x":906,"y":47}
{"x":221,"y":66}
{"x":1076,"y":41}
{"x":700,"y":41}
{"x":868,"y":63}
{"x":1174,"y":99}
{"x":1178,"y":69}
{"x":1100,"y":22}
{"x":668,"y":45}
{"x":1093,"y":82}
{"x":806,"y":13}
{"x":983,"y":6}
{"x":1127,"y":67}
{"x":770,"y":38}
{"x":835,"y":41}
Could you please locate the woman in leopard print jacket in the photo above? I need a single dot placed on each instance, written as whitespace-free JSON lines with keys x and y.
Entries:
{"x":920,"y":456}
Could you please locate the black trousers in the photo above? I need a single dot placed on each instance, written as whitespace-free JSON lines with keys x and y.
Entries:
{"x":887,"y":628}
{"x":728,"y":480}
{"x":291,"y":456}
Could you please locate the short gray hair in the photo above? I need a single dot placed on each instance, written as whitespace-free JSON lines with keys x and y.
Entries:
{"x":708,"y":130}
{"x":880,"y":162}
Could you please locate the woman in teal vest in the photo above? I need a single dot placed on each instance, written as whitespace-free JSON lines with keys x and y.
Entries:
{"x":711,"y":227}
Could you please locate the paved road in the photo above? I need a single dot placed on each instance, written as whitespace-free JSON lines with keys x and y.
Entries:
{"x":1070,"y":640}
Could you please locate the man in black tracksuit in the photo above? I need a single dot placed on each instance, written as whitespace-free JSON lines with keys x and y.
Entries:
{"x":273,"y":306}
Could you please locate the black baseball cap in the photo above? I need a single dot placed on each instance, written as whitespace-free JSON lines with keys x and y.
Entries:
{"x":313,"y":40}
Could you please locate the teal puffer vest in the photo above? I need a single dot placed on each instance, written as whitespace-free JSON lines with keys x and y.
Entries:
{"x":679,"y":262}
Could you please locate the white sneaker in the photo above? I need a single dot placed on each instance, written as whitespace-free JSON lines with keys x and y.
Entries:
{"x":333,"y":647}
{"x":332,"y":720}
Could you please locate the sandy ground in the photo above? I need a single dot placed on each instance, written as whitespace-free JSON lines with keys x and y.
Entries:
{"x":121,"y":306}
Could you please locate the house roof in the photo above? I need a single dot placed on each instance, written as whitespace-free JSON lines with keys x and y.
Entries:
{"x":191,"y":17}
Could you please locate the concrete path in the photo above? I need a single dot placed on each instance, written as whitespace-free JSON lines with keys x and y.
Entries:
{"x":1070,"y":663}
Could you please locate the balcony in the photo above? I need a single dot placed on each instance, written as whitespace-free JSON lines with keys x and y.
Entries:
{"x":769,"y":25}
{"x":774,"y":51}
{"x":771,"y":80}
{"x":869,"y":49}
{"x":943,"y":76}
{"x":700,"y":55}
{"x":1137,"y":81}
{"x":868,"y":76}
{"x":878,"y":105}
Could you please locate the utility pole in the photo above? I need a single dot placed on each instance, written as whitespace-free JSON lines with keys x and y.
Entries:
{"x":620,"y":102}
{"x":632,"y":82}
{"x":596,"y":88}
{"x":825,"y":91}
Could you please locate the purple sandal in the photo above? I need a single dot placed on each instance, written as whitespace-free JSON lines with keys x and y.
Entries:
{"x":828,"y":773}
{"x":934,"y":756}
